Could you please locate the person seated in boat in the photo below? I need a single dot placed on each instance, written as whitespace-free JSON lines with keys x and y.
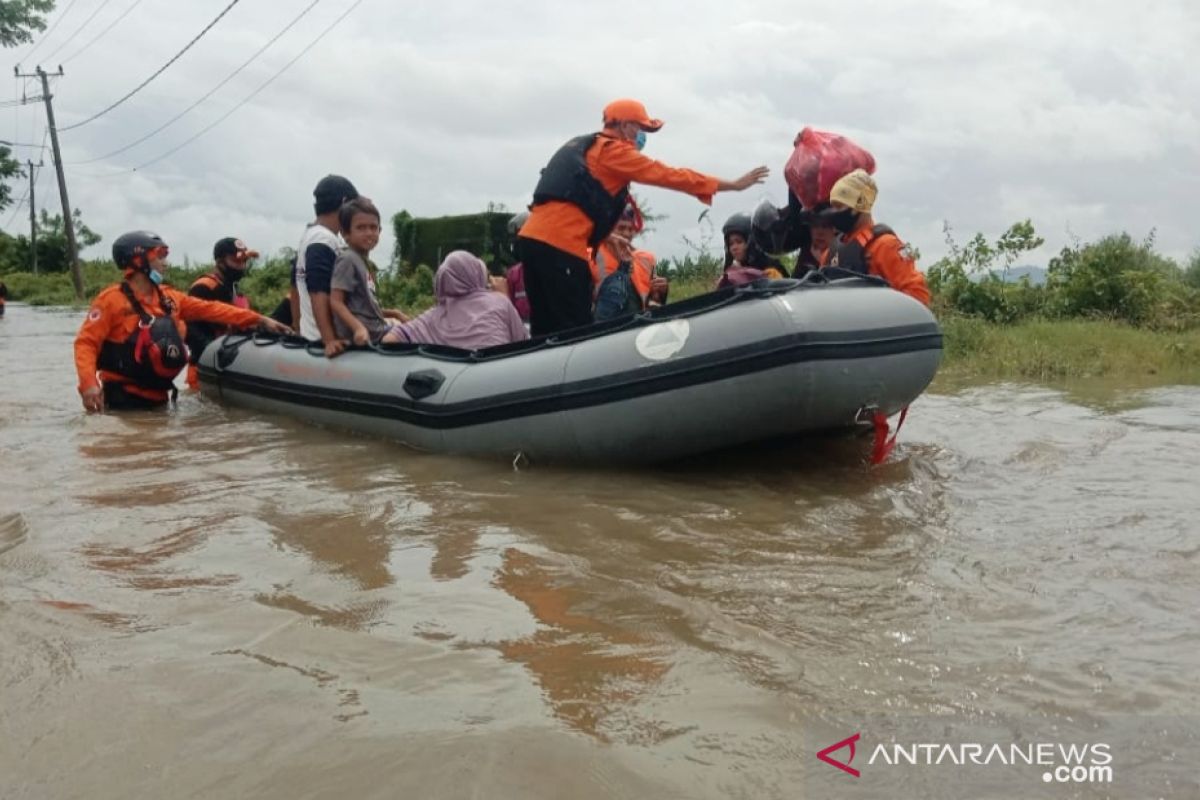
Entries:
{"x":864,"y":246}
{"x":315,"y":256}
{"x":231,"y":259}
{"x":468,"y":314}
{"x":357,"y":315}
{"x":3,"y":297}
{"x":514,"y":276}
{"x":130,"y":346}
{"x":817,"y":252}
{"x":635,"y":287}
{"x":745,"y":262}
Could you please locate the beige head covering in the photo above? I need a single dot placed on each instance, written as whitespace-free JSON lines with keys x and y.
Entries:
{"x":856,"y":189}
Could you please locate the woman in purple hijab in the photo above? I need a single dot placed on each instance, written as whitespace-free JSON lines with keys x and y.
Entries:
{"x":468,"y":313}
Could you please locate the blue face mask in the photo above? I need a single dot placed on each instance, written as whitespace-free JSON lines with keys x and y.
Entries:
{"x":155,"y":276}
{"x":640,"y":141}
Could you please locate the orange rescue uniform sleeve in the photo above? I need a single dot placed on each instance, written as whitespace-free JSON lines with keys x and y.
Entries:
{"x":889,"y":258}
{"x":615,"y":163}
{"x":618,"y":163}
{"x":102,"y":316}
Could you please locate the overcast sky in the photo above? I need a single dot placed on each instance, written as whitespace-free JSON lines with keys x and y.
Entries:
{"x":1080,"y":115}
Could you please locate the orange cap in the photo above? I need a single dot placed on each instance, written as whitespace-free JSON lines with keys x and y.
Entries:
{"x":626,"y":110}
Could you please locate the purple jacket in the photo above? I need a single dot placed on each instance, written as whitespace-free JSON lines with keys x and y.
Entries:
{"x":516,"y":290}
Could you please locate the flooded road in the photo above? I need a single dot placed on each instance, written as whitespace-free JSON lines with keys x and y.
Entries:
{"x":206,"y":603}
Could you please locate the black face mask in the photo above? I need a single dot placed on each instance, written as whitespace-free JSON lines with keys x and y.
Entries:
{"x":843,"y":220}
{"x":230,"y":274}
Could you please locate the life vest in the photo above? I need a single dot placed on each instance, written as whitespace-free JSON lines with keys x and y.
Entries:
{"x":567,"y":178}
{"x":852,"y":255}
{"x":641,"y":274}
{"x":153,"y":354}
{"x":225,"y":291}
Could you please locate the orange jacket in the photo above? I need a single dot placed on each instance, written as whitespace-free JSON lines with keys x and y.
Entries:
{"x":642,"y":273}
{"x":888,"y":258}
{"x":111,"y":318}
{"x":615,"y":163}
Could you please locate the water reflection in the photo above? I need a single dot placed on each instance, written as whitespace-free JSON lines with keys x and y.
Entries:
{"x":591,"y":671}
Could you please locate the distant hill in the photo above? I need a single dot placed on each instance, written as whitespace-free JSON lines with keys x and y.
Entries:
{"x":1037,"y":275}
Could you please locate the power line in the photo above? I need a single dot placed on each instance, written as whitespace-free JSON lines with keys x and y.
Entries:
{"x":210,"y":92}
{"x":253,"y":94}
{"x":24,"y":101}
{"x":49,"y":30}
{"x":99,"y":35}
{"x":160,"y":70}
{"x":21,"y":200}
{"x":17,"y":208}
{"x":78,"y":30}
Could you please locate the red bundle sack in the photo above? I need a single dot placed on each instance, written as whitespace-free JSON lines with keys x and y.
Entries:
{"x":818,"y":161}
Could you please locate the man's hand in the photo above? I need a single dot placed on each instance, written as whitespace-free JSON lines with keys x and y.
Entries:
{"x":622,"y":248}
{"x":335,"y":348}
{"x":498,"y":283}
{"x":754,"y":176}
{"x":395,"y":313}
{"x":269,"y":325}
{"x":93,"y":400}
{"x":361,"y":337}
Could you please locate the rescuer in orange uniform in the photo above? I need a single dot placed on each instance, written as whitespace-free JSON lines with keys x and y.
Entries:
{"x":864,"y":246}
{"x":231,"y":260}
{"x":577,"y":202}
{"x":130,"y":346}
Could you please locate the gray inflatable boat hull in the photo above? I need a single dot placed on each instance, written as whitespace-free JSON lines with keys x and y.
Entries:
{"x":733,"y":367}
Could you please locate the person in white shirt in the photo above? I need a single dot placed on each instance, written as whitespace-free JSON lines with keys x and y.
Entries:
{"x":315,"y":257}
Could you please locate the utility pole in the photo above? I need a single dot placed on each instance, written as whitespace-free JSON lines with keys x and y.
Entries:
{"x":68,"y":220}
{"x":32,"y":214}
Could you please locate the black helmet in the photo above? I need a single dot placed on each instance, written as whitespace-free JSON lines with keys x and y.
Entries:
{"x":738,"y":223}
{"x":766,"y":220}
{"x":517,"y":222}
{"x":129,"y":249}
{"x":781,"y":230}
{"x":331,"y":192}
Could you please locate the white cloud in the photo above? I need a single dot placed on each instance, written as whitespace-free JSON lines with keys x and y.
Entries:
{"x":1079,"y":115}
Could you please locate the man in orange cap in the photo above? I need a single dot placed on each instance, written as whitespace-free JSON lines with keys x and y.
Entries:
{"x":578,"y":201}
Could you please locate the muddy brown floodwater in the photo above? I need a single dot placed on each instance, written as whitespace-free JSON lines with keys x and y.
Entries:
{"x":205,"y":603}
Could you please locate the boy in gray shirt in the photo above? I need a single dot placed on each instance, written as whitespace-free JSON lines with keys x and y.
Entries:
{"x":357,"y":315}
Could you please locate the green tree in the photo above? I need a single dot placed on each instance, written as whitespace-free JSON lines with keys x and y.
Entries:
{"x":52,"y":243}
{"x":1191,"y":274}
{"x":20,"y":19}
{"x":971,"y":279}
{"x":9,"y":168}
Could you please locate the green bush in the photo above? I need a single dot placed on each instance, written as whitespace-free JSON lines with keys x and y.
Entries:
{"x":1114,"y":278}
{"x":411,"y":291}
{"x":1117,"y":278}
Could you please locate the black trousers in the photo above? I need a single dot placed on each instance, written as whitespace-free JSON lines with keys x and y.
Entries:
{"x":558,"y":286}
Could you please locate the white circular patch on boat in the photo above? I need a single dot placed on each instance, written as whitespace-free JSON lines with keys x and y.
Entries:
{"x":660,"y":342}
